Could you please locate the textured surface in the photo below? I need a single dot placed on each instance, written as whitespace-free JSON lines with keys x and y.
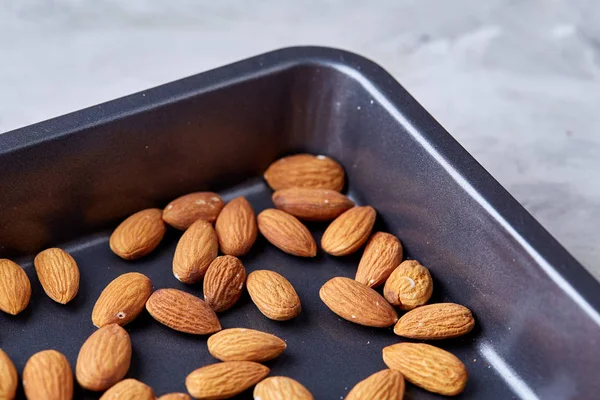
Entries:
{"x":185,"y":210}
{"x":122,"y":300}
{"x":516,"y":82}
{"x":236,"y":227}
{"x":224,"y":282}
{"x":382,"y":254}
{"x":183,"y":312}
{"x":15,"y":287}
{"x":48,"y":375}
{"x":241,"y":344}
{"x":281,"y":387}
{"x":348,"y":232}
{"x":104,"y":358}
{"x":129,"y":389}
{"x":10,"y":379}
{"x":197,"y":248}
{"x":138,"y":235}
{"x":225,"y":379}
{"x":286,"y":232}
{"x":274,"y":295}
{"x":387,"y":384}
{"x":58,"y":273}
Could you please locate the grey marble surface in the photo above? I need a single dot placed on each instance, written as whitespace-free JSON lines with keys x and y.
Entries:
{"x":516,"y":82}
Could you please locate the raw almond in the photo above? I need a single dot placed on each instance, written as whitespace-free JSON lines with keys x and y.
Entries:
{"x":281,"y":388}
{"x":196,"y":249}
{"x":129,"y":389}
{"x":236,"y":227}
{"x":122,"y":300}
{"x":409,"y":286}
{"x":223,"y":282}
{"x":47,"y":375}
{"x":185,"y":210}
{"x":175,"y":396}
{"x":383,"y":385}
{"x":287,"y":233}
{"x":348,"y":232}
{"x":274,"y":295}
{"x":224,"y":380}
{"x":357,"y":303}
{"x":183,"y":312}
{"x":58,"y":273}
{"x":15,"y":288}
{"x":428,"y":367}
{"x":435,"y":321}
{"x":10,"y":379}
{"x":138,"y":235}
{"x":241,"y":344}
{"x":382,"y":255}
{"x":312,"y":204}
{"x":104,"y":358}
{"x":305,"y":170}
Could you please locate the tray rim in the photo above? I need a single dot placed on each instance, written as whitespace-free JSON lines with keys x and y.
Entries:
{"x":556,"y":262}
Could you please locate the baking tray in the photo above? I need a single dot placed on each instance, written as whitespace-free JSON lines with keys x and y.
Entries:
{"x":70,"y":180}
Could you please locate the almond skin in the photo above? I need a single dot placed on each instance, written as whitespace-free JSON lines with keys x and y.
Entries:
{"x":312,"y":204}
{"x":357,"y":303}
{"x":224,"y":380}
{"x":305,"y":170}
{"x":196,"y":249}
{"x":428,"y":367}
{"x":223,"y":282}
{"x":15,"y":288}
{"x":185,"y":210}
{"x":408,"y":286}
{"x":348,"y":232}
{"x":435,"y":321}
{"x":104,"y":358}
{"x":58,"y":273}
{"x":129,"y":389}
{"x":47,"y":375}
{"x":122,"y":300}
{"x":274,"y":295}
{"x":241,"y":344}
{"x":138,"y":235}
{"x":236,"y":227}
{"x":175,"y":396}
{"x":10,"y":379}
{"x":382,"y":255}
{"x":281,"y":387}
{"x":383,"y":385}
{"x":287,"y":233}
{"x":182,"y":312}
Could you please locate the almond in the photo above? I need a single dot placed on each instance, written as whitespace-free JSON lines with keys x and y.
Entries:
{"x":383,"y":385}
{"x":196,"y":249}
{"x":241,"y":344}
{"x":122,"y":300}
{"x":435,"y":321}
{"x":305,"y":170}
{"x":104,"y":358}
{"x":15,"y":288}
{"x":348,"y":232}
{"x":312,"y":204}
{"x":183,"y":312}
{"x":236,"y":227}
{"x":138,"y":235}
{"x":129,"y":389}
{"x":382,"y":255}
{"x":47,"y":375}
{"x":185,"y":210}
{"x":175,"y":396}
{"x":409,"y":286}
{"x":224,"y":380}
{"x":357,"y":303}
{"x":281,"y":387}
{"x":428,"y":367}
{"x":10,"y":379}
{"x":224,"y":282}
{"x":274,"y":295}
{"x":58,"y":273}
{"x":287,"y":233}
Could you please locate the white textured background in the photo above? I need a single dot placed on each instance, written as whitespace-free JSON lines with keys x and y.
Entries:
{"x":516,"y":82}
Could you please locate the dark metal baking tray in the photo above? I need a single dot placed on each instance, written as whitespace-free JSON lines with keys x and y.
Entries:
{"x":69,"y":181}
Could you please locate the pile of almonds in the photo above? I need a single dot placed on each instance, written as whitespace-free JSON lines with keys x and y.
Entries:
{"x":307,"y":188}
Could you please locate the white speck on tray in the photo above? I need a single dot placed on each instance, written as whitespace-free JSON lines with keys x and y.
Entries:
{"x":371,"y":101}
{"x":358,"y":108}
